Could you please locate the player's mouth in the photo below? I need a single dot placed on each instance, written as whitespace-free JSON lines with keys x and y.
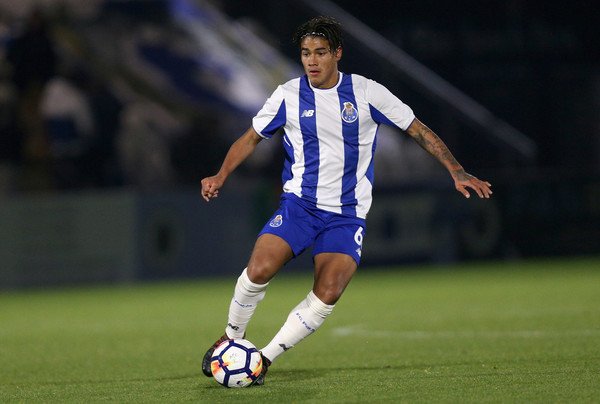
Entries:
{"x":313,"y":72}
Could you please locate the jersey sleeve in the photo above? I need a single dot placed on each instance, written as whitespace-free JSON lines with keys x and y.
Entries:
{"x":386,"y":108}
{"x":272,"y":115}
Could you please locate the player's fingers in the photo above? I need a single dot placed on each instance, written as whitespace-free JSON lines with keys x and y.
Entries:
{"x":463,"y":191}
{"x":485,"y":188}
{"x":203,"y":186}
{"x":485,"y":193}
{"x":210,"y":194}
{"x":208,"y":188}
{"x":204,"y":194}
{"x":207,"y":192}
{"x":476,"y":188}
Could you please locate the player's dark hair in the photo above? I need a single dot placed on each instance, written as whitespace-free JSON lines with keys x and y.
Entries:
{"x":322,"y":26}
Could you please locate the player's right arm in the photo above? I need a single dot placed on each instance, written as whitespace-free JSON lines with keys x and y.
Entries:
{"x":238,"y":152}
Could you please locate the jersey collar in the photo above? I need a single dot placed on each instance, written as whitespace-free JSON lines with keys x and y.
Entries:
{"x":340,"y":77}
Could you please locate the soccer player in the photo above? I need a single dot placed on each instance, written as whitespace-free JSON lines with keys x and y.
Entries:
{"x":330,"y":120}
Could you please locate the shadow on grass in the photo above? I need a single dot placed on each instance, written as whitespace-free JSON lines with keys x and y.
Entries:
{"x":300,"y":375}
{"x":480,"y":368}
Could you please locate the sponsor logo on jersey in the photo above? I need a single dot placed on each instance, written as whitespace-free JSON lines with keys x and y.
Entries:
{"x":359,"y":251}
{"x":277,"y":221}
{"x":307,"y":113}
{"x":349,"y":113}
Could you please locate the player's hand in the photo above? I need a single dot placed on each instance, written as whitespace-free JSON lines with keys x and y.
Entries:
{"x":463,"y":180}
{"x":211,"y":186}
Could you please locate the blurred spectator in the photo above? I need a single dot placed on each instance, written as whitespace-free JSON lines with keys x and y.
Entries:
{"x":69,"y":127}
{"x":32,"y":54}
{"x":147,"y":131}
{"x":32,"y":57}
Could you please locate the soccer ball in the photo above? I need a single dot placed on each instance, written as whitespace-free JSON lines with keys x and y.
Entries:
{"x":236,"y":363}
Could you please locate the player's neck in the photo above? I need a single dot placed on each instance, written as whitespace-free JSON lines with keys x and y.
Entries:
{"x":331,"y":83}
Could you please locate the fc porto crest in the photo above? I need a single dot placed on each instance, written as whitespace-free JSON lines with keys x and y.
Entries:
{"x":349,"y":113}
{"x":277,"y":221}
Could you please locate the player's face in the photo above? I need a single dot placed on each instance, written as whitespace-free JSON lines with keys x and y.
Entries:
{"x":320,"y":63}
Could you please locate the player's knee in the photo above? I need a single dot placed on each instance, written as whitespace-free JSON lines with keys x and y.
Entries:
{"x":262,"y":270}
{"x":328,"y":294}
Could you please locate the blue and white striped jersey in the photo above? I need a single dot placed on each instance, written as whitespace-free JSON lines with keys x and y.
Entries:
{"x":330,"y":138}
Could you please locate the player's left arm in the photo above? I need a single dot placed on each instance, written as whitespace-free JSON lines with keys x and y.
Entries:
{"x":429,"y":141}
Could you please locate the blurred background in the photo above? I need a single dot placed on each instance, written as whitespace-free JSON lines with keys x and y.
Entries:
{"x":111,"y":111}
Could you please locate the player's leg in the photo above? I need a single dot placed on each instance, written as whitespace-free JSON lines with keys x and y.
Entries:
{"x":287,"y":234}
{"x":270,"y":253}
{"x":333,"y":272}
{"x":337,"y":251}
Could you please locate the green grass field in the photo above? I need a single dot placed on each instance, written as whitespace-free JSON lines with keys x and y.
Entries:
{"x":505,"y":332}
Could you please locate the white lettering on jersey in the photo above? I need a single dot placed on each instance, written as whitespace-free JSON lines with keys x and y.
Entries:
{"x":307,"y":113}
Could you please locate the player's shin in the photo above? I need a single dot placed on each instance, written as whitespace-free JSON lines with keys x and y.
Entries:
{"x":246,"y":297}
{"x":302,"y":321}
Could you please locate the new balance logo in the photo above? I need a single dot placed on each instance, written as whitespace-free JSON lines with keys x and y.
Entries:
{"x":284,"y":347}
{"x":307,"y":113}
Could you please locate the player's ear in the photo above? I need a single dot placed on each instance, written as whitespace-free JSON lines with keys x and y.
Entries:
{"x":338,"y":54}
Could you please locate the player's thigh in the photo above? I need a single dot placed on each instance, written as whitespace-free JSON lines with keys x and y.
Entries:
{"x":333,"y":272}
{"x":270,"y":253}
{"x":341,"y":235}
